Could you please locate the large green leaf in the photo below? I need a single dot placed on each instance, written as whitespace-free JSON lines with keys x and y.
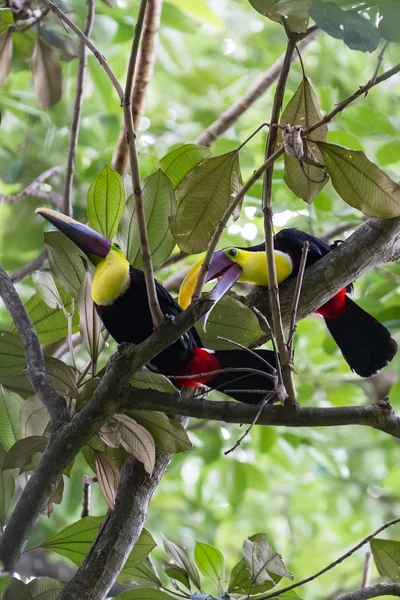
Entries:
{"x":50,"y":324}
{"x":168,"y":434}
{"x":10,"y":425}
{"x":143,"y":573}
{"x":17,"y":589}
{"x":387,"y":557}
{"x":7,"y":488}
{"x":211,"y":563}
{"x":303,"y":110}
{"x":177,"y":163}
{"x":45,"y":588}
{"x":21,"y":453}
{"x":202,"y":197}
{"x":360,"y":182}
{"x":181,"y":557}
{"x":65,"y":261}
{"x":232,"y":320}
{"x":12,"y":356}
{"x":106,"y":202}
{"x":90,"y":324}
{"x":159,"y":205}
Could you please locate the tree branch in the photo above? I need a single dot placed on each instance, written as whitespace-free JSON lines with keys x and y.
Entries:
{"x":238,"y":108}
{"x":146,"y":60}
{"x":33,"y":190}
{"x":73,"y":435}
{"x":154,"y":306}
{"x":80,"y":80}
{"x":374,"y":591}
{"x":27,"y":270}
{"x":277,"y":326}
{"x":36,"y":369}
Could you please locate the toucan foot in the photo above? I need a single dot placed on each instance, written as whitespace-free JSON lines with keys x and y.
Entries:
{"x":170,"y":319}
{"x":122,"y":347}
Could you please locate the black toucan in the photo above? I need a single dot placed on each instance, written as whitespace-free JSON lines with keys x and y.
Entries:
{"x":365,"y":343}
{"x":120,"y":296}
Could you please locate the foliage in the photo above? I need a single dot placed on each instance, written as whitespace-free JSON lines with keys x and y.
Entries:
{"x":305,"y":487}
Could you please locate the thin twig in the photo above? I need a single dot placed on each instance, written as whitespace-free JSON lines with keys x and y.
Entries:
{"x":33,"y":189}
{"x":334,"y":563}
{"x":34,"y":265}
{"x":329,"y":235}
{"x":296,"y":298}
{"x":226,"y":370}
{"x":246,"y":349}
{"x":379,"y":61}
{"x":144,"y":71}
{"x":284,"y":354}
{"x":266,"y":327}
{"x":366,"y":578}
{"x":36,"y":369}
{"x":154,"y":306}
{"x":234,"y":112}
{"x":87,"y":482}
{"x":224,"y":220}
{"x":250,"y":427}
{"x":90,"y":45}
{"x":73,"y":142}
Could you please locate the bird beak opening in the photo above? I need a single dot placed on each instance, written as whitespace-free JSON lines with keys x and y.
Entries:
{"x":87,"y":240}
{"x":228,"y":273}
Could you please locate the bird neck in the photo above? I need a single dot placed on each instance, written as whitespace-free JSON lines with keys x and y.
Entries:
{"x":111,"y":278}
{"x":254,"y":265}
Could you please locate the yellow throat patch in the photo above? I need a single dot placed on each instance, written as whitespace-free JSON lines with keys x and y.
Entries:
{"x":111,"y":278}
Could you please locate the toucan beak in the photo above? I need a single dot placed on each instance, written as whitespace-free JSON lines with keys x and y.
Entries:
{"x":87,"y":240}
{"x":228,"y":272}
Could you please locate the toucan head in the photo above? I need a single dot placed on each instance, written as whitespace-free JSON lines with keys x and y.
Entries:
{"x":93,"y":244}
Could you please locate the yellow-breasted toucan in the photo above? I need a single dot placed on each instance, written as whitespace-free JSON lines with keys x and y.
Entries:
{"x":120,"y":297}
{"x":364,"y":342}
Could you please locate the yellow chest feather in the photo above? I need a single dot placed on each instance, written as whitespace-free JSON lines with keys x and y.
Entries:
{"x":111,"y":278}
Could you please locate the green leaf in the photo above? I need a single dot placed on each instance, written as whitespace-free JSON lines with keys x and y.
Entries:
{"x":389,"y":25}
{"x":211,"y":563}
{"x":7,"y":489}
{"x":10,"y":425}
{"x":47,"y":290}
{"x":47,"y":75}
{"x":176,"y":573}
{"x":45,"y":588}
{"x":141,"y":550}
{"x":177,"y":163}
{"x":6,"y":52}
{"x":356,"y":32}
{"x":389,"y":154}
{"x":181,"y":557}
{"x":142,"y":573}
{"x":17,"y":589}
{"x":303,"y":110}
{"x":387,"y":557}
{"x":202,"y":197}
{"x":168,"y":434}
{"x":90,"y":324}
{"x":21,"y":453}
{"x":146,"y":379}
{"x":6,"y":19}
{"x":159,"y":205}
{"x":360,"y":182}
{"x":107,"y":475}
{"x":240,"y":581}
{"x":266,"y":8}
{"x":233,"y":320}
{"x":137,"y":441}
{"x":144,"y":594}
{"x":12,"y":356}
{"x":201,"y":10}
{"x":106,"y":202}
{"x":261,"y":559}
{"x":5,"y":579}
{"x":34,"y":418}
{"x":65,"y":261}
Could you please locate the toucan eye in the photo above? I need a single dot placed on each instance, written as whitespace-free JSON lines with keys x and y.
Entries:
{"x":233,"y":252}
{"x":117,"y":246}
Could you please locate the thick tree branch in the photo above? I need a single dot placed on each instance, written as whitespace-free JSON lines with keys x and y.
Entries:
{"x":71,"y":436}
{"x":234,"y":112}
{"x":33,"y":190}
{"x":54,"y":403}
{"x":80,"y":80}
{"x":154,"y":306}
{"x":146,"y":60}
{"x":374,"y":591}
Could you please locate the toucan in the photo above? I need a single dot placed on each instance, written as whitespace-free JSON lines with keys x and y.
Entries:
{"x":120,"y":297}
{"x":365,"y":343}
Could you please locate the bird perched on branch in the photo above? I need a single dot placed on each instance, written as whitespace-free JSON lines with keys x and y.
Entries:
{"x":120,"y":297}
{"x":365,"y":343}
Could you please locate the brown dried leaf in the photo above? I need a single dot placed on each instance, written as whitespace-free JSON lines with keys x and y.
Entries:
{"x":107,"y":476}
{"x":137,"y":441}
{"x":47,"y":75}
{"x":6,"y":50}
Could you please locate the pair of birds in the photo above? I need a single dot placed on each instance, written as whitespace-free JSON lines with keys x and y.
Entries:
{"x":120,"y":297}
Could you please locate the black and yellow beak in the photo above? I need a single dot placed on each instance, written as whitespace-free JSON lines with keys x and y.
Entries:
{"x":87,"y":240}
